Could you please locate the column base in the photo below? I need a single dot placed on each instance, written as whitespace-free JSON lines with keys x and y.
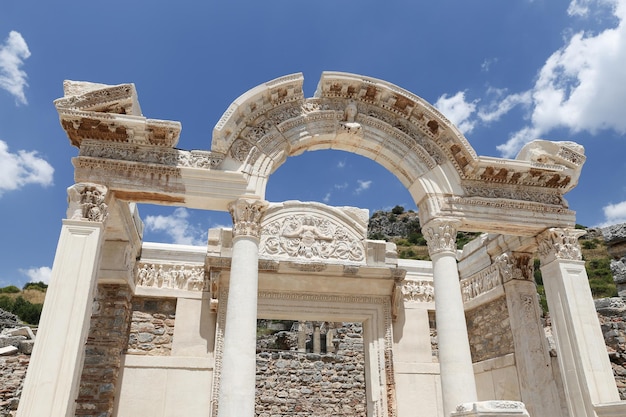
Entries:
{"x":615,"y":409}
{"x":491,"y":408}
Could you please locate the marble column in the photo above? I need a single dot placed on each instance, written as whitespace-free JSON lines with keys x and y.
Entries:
{"x":581,"y":351}
{"x":51,"y":384}
{"x":317,"y":346}
{"x":302,"y":336}
{"x":457,"y":374}
{"x":237,"y":386}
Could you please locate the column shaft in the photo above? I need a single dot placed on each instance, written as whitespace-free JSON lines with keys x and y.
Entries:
{"x":455,"y":361}
{"x":237,"y":386}
{"x":51,"y":384}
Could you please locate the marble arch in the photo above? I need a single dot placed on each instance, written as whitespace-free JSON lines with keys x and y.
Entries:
{"x":204,"y":301}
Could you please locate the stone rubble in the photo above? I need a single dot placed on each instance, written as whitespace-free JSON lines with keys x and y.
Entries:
{"x":16,"y":345}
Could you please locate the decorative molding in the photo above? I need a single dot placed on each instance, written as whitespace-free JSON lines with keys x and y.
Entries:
{"x":557,"y":243}
{"x":441,"y":236}
{"x":172,"y":276}
{"x":488,"y":190}
{"x":86,"y":201}
{"x":311,"y":237}
{"x":150,"y":154}
{"x":536,"y":207}
{"x":247,"y":214}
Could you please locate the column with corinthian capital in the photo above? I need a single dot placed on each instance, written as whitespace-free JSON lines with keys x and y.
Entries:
{"x":457,"y":374}
{"x":581,"y":351}
{"x":237,"y":385}
{"x":51,"y":384}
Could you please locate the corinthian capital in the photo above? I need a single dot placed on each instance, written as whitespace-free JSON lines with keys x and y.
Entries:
{"x":440,"y":235}
{"x":86,"y":201}
{"x":247,"y":214}
{"x":556,"y":243}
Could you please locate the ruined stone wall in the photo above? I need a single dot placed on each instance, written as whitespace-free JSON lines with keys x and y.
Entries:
{"x":489,"y":331}
{"x":289,"y":383}
{"x":12,"y":374}
{"x":152,"y":326}
{"x":108,"y":335}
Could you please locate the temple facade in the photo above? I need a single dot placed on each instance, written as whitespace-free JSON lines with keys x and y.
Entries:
{"x":134,"y":328}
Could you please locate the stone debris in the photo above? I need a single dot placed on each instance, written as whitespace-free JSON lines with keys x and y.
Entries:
{"x":16,"y":345}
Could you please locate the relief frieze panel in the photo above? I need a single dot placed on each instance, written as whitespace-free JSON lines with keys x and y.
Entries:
{"x":418,"y":291}
{"x":310,"y":237}
{"x":170,"y":276}
{"x":480,"y":283}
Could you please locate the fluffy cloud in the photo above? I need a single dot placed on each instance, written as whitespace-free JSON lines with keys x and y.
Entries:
{"x":21,"y":168}
{"x":581,"y":86}
{"x":42,"y":274}
{"x":177,"y":227}
{"x":614,"y":214}
{"x":363,"y":185}
{"x":458,"y":110}
{"x":13,"y":52}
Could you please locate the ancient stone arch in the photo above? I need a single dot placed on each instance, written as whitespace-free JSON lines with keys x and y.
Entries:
{"x":201,"y":303}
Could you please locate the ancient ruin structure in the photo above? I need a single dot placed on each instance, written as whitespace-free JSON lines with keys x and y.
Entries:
{"x":147,"y":329}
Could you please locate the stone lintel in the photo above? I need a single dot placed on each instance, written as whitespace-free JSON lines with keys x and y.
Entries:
{"x":163,"y":184}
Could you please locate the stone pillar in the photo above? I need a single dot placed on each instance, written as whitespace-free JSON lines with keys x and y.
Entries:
{"x":237,"y":387}
{"x":317,"y":346}
{"x":581,"y":351}
{"x":532,"y":358}
{"x":457,"y":374}
{"x":330,"y":346}
{"x":51,"y":384}
{"x":302,"y":336}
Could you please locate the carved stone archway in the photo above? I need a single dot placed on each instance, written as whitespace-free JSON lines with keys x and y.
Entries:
{"x":129,"y":158}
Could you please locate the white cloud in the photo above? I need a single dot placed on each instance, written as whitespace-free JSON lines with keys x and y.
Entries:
{"x":363,"y":185}
{"x":341,"y":186}
{"x":21,"y":168}
{"x":487,"y":63}
{"x":12,"y":55}
{"x":341,"y":164}
{"x":458,"y":110}
{"x":42,"y":274}
{"x":177,"y":227}
{"x":326,"y":198}
{"x":499,"y":107}
{"x":578,"y":8}
{"x":582,"y":86}
{"x":614,"y":214}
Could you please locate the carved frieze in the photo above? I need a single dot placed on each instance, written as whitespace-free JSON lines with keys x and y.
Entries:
{"x":486,"y":190}
{"x":311,"y":237}
{"x":557,"y":243}
{"x":171,"y":276}
{"x":86,"y":201}
{"x":418,"y":291}
{"x":481,"y":282}
{"x":247,"y":214}
{"x":150,"y":155}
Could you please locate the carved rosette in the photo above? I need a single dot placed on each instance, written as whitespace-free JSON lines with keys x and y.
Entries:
{"x":441,"y":236}
{"x":557,"y":243}
{"x":310,"y":237}
{"x":86,"y":201}
{"x":247,"y":214}
{"x":515,"y":265}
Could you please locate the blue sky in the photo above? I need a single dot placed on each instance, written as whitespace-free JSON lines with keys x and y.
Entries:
{"x":505,"y":72}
